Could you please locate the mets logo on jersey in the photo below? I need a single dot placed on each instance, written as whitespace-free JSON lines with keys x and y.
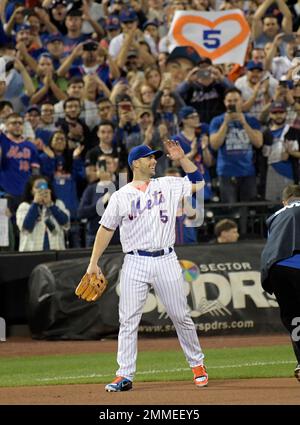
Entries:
{"x":157,"y":198}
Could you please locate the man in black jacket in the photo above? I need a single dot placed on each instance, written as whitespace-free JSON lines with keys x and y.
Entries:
{"x":204,"y":89}
{"x":280,"y":264}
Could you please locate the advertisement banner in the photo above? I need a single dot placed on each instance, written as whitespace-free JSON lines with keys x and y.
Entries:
{"x":221,"y":36}
{"x":222,"y":284}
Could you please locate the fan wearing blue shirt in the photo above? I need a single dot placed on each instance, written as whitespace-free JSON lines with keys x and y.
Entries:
{"x":234,"y":135}
{"x":18,"y":158}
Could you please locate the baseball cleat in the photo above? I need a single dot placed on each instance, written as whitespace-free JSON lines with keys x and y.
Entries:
{"x":297,"y":372}
{"x":200,"y":376}
{"x":119,"y":384}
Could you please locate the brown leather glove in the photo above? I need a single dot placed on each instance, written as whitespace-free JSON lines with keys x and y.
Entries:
{"x":91,"y":287}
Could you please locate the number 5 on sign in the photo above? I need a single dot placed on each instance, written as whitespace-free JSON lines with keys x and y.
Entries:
{"x":221,"y":36}
{"x":211,"y":38}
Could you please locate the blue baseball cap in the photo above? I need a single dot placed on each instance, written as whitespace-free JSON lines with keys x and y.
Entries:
{"x":154,"y":23}
{"x":186,"y":111}
{"x":278,"y":107}
{"x":254,"y":65}
{"x":54,"y":37}
{"x":187,"y":52}
{"x":112,"y":23}
{"x":23,"y":27}
{"x":33,"y":108}
{"x":142,"y":151}
{"x":128,"y":16}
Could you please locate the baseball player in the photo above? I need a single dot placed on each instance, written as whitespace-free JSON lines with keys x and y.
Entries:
{"x":145,"y":209}
{"x":280,"y":264}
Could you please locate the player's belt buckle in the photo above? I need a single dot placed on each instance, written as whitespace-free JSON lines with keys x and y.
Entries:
{"x":151,"y":254}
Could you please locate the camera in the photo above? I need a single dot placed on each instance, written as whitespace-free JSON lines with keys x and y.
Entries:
{"x":42,"y":186}
{"x":9,"y":65}
{"x":101,"y":164}
{"x":204,"y":73}
{"x":231,"y":108}
{"x":90,"y":46}
{"x":284,"y":83}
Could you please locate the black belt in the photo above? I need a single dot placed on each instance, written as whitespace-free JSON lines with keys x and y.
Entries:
{"x":151,"y":254}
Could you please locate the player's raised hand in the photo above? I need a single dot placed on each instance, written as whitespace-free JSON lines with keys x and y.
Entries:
{"x":174,"y":150}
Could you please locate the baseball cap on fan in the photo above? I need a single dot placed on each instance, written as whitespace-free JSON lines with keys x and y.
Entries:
{"x":54,"y":37}
{"x":186,"y":52}
{"x":251,"y":65}
{"x":23,"y":27}
{"x":112,"y":23}
{"x":56,"y":3}
{"x":186,"y":111}
{"x":142,"y":151}
{"x":128,"y":15}
{"x":278,"y":107}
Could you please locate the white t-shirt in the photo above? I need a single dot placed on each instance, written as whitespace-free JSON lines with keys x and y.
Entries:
{"x":280,"y":66}
{"x":116,"y":43}
{"x":247,"y":91}
{"x":96,"y":12}
{"x":146,"y":219}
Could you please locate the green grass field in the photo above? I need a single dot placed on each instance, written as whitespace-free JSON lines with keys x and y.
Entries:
{"x":227,"y":363}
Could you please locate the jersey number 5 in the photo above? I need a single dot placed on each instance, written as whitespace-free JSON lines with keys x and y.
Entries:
{"x":163,"y":216}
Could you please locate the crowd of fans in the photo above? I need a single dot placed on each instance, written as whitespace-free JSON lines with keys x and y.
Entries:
{"x":82,"y":82}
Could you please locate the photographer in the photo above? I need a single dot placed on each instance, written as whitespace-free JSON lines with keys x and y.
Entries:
{"x":234,"y":135}
{"x":8,"y":71}
{"x":165,"y":106}
{"x":283,"y":93}
{"x":126,"y":123}
{"x":41,"y":218}
{"x":19,"y":82}
{"x":204,"y":89}
{"x":95,"y":60}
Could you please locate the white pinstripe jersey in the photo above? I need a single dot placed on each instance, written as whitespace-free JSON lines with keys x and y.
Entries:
{"x":146,"y":219}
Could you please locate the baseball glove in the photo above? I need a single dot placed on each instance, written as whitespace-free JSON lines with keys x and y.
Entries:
{"x":91,"y":287}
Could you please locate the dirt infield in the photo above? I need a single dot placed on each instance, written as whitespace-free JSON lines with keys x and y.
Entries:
{"x":282,"y":391}
{"x":245,"y":391}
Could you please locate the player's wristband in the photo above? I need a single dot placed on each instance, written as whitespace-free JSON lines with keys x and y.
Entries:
{"x":195,"y":177}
